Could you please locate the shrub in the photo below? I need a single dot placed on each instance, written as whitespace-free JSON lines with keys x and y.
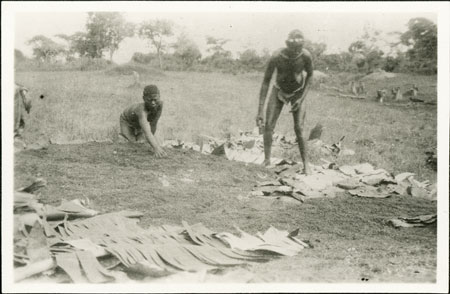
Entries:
{"x":128,"y":68}
{"x":79,"y":64}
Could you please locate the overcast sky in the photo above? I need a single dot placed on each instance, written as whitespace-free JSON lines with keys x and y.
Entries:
{"x":245,"y":30}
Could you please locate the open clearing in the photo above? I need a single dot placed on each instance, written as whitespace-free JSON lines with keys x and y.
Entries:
{"x":350,"y":237}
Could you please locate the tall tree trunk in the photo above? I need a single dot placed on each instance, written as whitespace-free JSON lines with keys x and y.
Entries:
{"x":111,"y":52}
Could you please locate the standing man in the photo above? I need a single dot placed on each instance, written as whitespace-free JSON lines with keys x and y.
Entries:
{"x":291,"y":86}
{"x":22,"y":103}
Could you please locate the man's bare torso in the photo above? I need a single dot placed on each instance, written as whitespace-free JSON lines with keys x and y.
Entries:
{"x":289,"y":76}
{"x":130,"y":114}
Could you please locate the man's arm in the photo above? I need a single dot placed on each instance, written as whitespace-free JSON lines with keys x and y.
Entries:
{"x":145,"y":126}
{"x":154,"y":120}
{"x":265,"y":87}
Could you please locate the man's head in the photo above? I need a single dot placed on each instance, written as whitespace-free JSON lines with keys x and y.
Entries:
{"x":295,"y":41}
{"x":151,"y":96}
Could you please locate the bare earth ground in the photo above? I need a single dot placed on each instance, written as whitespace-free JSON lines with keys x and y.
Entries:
{"x":351,"y":241}
{"x":350,"y":238}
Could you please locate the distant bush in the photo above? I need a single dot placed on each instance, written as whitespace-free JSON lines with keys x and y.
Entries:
{"x":143,"y":58}
{"x":87,"y":64}
{"x":18,"y":56}
{"x":128,"y":68}
{"x":79,"y":64}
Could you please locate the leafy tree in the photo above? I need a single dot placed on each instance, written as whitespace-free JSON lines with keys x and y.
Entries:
{"x":251,"y":60}
{"x":366,"y":54}
{"x":392,"y":63}
{"x":156,"y":31}
{"x":220,"y":58}
{"x":45,"y":49}
{"x":421,"y":38}
{"x":105,"y":31}
{"x":77,"y":44}
{"x":215,"y":45}
{"x":316,"y":49}
{"x":186,"y":50}
{"x":143,"y":58}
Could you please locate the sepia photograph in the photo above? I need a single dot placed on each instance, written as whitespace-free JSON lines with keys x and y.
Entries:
{"x":225,"y":146}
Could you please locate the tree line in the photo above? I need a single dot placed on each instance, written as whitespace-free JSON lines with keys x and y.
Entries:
{"x":412,"y":51}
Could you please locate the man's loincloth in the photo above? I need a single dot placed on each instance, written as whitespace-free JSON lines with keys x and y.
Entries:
{"x":287,"y":98}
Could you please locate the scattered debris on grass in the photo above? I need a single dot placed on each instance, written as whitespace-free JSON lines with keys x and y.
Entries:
{"x":249,"y":146}
{"x":417,"y":221}
{"x":330,"y":180}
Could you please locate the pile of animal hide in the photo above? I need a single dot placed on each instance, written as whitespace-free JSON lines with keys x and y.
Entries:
{"x":82,"y":245}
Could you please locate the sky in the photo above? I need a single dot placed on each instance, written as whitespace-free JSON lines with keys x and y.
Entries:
{"x":245,"y":29}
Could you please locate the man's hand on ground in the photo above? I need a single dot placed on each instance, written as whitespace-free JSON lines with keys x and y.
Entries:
{"x":159,"y":152}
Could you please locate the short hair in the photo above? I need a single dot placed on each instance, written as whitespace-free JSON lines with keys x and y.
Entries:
{"x":151,"y":90}
{"x":295,"y":34}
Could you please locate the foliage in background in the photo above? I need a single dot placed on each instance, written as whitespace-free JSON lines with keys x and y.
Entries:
{"x":78,"y":64}
{"x":156,"y":31}
{"x":105,"y":31}
{"x":186,"y":51}
{"x":421,"y":38}
{"x":412,"y":51}
{"x":45,"y":49}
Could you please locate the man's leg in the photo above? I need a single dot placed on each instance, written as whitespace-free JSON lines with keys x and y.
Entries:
{"x":274,"y":107}
{"x":126,"y":131}
{"x":299,"y":120}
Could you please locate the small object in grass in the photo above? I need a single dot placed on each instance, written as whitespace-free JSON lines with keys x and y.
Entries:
{"x":370,"y":192}
{"x":36,"y":185}
{"x":417,"y":192}
{"x":413,"y":99}
{"x":431,"y":159}
{"x":347,"y":152}
{"x":316,"y":132}
{"x":262,"y":176}
{"x":381,"y":95}
{"x":397,"y":94}
{"x":164,"y":181}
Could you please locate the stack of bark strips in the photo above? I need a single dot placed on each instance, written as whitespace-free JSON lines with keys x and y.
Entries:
{"x":329,"y":180}
{"x":103,"y":247}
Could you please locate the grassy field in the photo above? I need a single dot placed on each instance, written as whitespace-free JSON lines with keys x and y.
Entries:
{"x":87,"y":105}
{"x":352,"y":242}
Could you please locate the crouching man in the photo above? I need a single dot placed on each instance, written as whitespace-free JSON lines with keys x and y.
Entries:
{"x":142,"y":119}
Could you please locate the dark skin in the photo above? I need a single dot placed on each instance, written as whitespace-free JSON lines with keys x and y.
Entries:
{"x":148,"y":115}
{"x":289,"y":64}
